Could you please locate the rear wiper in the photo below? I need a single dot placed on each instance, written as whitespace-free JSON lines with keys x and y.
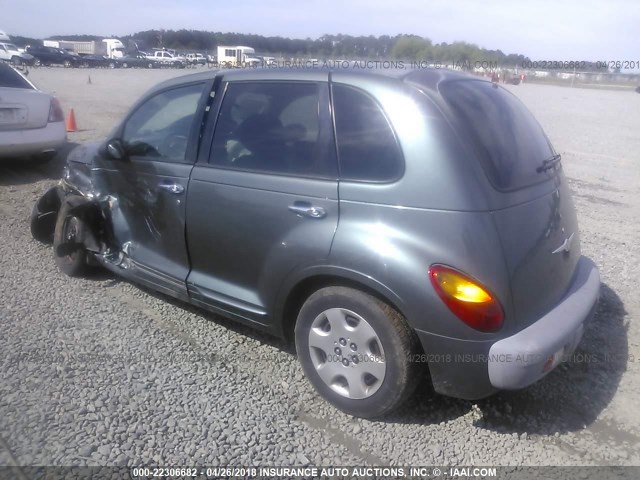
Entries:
{"x":549,"y":163}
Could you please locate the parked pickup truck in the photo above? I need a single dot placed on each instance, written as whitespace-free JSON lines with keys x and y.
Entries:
{"x":196,"y":59}
{"x":10,"y":53}
{"x":168,"y":59}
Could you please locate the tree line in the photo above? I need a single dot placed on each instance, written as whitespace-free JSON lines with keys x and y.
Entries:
{"x":401,"y":47}
{"x":340,"y":46}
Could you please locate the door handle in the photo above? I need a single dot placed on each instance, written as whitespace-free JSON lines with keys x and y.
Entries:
{"x":307,"y":210}
{"x":170,"y":187}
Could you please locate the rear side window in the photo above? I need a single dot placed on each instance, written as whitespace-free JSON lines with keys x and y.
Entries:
{"x":367,"y":147}
{"x":506,"y":137}
{"x":11,"y":79}
{"x":273,"y":127}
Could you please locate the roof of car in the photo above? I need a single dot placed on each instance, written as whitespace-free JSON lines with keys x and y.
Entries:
{"x":424,"y":76}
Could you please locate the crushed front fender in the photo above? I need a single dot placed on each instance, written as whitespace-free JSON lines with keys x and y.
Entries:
{"x":45,"y":214}
{"x":90,"y":209}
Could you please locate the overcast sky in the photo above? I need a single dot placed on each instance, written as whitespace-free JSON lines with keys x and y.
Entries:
{"x":541,"y":29}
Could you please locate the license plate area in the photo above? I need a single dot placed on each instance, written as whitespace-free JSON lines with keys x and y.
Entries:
{"x":12,"y":116}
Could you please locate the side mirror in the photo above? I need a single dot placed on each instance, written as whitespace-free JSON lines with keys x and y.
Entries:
{"x":115,"y":149}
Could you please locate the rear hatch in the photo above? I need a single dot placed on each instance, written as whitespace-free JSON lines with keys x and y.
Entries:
{"x":21,"y":106}
{"x":534,"y":213}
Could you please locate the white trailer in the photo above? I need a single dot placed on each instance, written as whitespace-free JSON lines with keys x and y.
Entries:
{"x":53,"y":43}
{"x":109,"y":47}
{"x":234,"y":56}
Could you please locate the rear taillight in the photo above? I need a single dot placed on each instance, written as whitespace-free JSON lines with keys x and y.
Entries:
{"x":468,"y":299}
{"x":55,"y":111}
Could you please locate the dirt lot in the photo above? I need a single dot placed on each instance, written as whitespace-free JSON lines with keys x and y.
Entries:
{"x":99,"y":371}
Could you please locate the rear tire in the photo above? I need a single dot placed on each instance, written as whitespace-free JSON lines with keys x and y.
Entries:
{"x":356,"y":351}
{"x":70,"y":229}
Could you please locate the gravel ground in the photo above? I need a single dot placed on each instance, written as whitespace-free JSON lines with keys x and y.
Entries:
{"x":98,"y":371}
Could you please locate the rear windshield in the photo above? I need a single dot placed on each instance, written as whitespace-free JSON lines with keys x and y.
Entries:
{"x":504,"y":134}
{"x":10,"y":78}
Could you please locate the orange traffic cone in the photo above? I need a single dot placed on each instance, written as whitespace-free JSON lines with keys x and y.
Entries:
{"x":71,"y":122}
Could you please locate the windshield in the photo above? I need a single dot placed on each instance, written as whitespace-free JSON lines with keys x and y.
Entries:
{"x":11,"y":47}
{"x":506,"y":137}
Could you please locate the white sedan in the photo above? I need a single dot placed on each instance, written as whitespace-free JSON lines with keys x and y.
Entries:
{"x":31,"y":121}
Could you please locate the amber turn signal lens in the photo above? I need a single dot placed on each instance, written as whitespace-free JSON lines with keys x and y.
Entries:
{"x":468,"y":299}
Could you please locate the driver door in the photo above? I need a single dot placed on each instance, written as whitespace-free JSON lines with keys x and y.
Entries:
{"x":149,"y":186}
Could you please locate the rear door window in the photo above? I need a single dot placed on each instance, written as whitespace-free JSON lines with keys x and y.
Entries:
{"x":367,"y":146}
{"x":11,"y":79}
{"x":273,"y":127}
{"x":507,"y":139}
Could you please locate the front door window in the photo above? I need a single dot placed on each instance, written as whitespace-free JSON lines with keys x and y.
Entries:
{"x":159,"y":129}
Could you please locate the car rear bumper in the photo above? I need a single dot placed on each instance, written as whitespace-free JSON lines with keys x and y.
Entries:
{"x":16,"y":143}
{"x":524,"y":358}
{"x":476,"y":369}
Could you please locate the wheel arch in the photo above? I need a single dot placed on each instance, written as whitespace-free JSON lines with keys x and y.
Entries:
{"x":45,"y":213}
{"x":298,"y":289}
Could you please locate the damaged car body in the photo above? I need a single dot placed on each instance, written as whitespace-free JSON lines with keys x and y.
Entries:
{"x":110,"y":204}
{"x":84,"y":236}
{"x":385,"y":222}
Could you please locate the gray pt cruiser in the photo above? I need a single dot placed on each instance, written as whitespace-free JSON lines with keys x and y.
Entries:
{"x":383,"y":220}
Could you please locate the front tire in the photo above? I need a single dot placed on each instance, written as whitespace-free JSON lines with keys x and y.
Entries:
{"x":356,"y":351}
{"x":70,"y":230}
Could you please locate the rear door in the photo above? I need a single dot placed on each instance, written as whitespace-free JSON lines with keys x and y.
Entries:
{"x":52,"y":55}
{"x":532,"y":205}
{"x":264,"y":202}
